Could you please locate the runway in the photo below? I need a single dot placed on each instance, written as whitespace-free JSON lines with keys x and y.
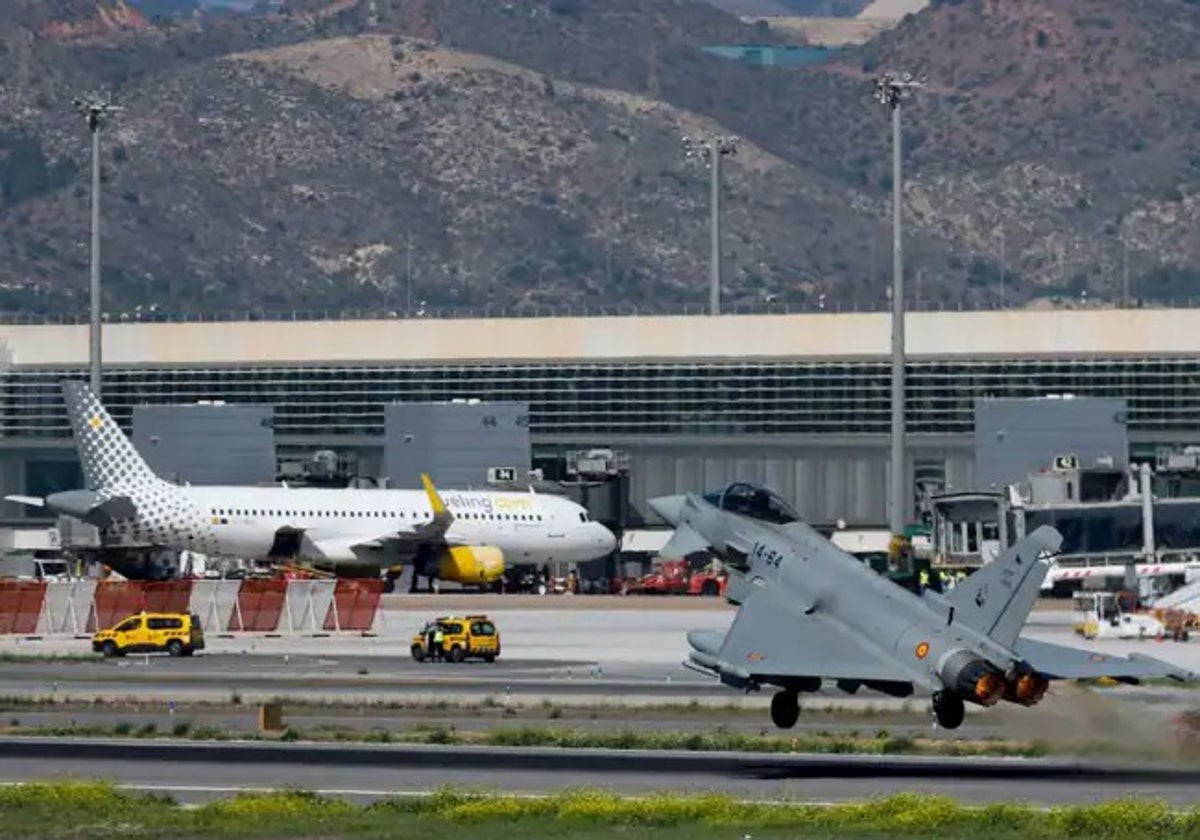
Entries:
{"x":579,"y":659}
{"x":570,"y":650}
{"x":195,"y":772}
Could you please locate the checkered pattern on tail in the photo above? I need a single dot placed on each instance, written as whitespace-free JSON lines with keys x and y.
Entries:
{"x":107,"y":456}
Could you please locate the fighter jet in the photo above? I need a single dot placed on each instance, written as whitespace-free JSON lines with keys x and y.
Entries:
{"x":810,"y":612}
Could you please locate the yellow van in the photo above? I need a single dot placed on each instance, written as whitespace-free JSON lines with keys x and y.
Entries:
{"x":471,"y":636}
{"x":179,"y":634}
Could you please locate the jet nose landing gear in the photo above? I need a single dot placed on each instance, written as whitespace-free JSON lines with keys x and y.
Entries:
{"x":785,"y":709}
{"x":948,"y":709}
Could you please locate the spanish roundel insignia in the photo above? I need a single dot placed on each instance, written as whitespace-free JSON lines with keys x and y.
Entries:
{"x":754,"y":657}
{"x":922,"y":650}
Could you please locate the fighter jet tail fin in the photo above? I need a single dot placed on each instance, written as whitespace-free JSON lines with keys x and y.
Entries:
{"x":997,"y":599}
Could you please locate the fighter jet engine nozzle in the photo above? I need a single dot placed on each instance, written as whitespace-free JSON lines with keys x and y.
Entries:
{"x":972,"y":678}
{"x":1026,"y":688}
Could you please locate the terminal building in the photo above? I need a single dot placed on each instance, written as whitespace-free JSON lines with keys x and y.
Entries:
{"x":798,"y":402}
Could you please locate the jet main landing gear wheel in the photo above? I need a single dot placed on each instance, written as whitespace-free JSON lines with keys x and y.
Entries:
{"x":948,"y":709}
{"x":785,"y":709}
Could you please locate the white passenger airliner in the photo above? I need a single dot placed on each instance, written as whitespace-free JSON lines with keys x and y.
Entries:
{"x":458,"y":535}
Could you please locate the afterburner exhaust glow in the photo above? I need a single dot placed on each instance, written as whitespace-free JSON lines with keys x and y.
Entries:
{"x":1026,"y":689}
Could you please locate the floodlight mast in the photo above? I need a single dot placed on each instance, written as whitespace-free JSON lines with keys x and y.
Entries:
{"x":891,"y":90}
{"x":710,"y":150}
{"x":95,"y":109}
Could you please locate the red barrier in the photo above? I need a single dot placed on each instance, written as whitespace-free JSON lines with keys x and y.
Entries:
{"x":116,"y":600}
{"x":21,"y":605}
{"x":357,"y":601}
{"x":260,"y":605}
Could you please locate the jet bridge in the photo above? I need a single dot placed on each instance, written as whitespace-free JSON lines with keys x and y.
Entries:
{"x":1153,"y":543}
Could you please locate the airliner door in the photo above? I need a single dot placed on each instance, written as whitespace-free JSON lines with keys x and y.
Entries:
{"x":286,"y":543}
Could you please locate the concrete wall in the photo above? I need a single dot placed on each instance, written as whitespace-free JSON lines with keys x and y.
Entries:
{"x":455,"y":443}
{"x":207,"y":444}
{"x":1016,"y":333}
{"x":1015,"y":437}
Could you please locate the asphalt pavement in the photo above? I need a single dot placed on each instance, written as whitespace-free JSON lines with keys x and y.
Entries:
{"x":198,"y":772}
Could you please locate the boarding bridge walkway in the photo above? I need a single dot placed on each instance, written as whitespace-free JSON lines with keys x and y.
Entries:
{"x":1186,"y":598}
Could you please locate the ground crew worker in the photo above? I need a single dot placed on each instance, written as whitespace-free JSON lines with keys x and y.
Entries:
{"x":430,"y":632}
{"x":924,"y":579}
{"x":438,"y":639}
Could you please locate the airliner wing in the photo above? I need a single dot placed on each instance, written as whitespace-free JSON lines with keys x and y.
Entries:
{"x":431,"y":531}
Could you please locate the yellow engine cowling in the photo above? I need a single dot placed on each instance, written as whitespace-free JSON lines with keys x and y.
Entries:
{"x":471,"y":564}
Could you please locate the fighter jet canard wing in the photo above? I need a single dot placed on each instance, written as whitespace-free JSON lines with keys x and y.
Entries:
{"x":684,"y":541}
{"x":770,"y":638}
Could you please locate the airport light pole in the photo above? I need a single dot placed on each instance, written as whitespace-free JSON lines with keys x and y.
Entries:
{"x":891,"y":90}
{"x":710,"y":150}
{"x":95,"y":109}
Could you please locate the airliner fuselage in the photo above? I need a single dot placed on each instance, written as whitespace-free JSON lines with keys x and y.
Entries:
{"x":247,"y":522}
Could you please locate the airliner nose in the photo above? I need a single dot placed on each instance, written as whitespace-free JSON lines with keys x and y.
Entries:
{"x":606,"y":539}
{"x":669,"y":508}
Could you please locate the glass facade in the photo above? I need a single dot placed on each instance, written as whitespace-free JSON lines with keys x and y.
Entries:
{"x":1117,"y":528}
{"x":596,"y":400}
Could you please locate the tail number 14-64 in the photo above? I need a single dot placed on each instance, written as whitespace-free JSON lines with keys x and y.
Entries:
{"x":768,"y":556}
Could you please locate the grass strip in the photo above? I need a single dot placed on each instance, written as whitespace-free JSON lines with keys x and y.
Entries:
{"x":99,"y":809}
{"x":61,"y":700}
{"x":882,"y":742}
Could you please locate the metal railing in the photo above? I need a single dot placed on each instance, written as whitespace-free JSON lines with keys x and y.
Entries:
{"x":614,"y":310}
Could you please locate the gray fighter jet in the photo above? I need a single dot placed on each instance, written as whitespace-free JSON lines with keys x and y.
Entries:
{"x":810,"y":612}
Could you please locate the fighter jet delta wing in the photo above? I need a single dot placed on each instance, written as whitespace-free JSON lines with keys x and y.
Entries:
{"x":1058,"y":662}
{"x":772,"y":640}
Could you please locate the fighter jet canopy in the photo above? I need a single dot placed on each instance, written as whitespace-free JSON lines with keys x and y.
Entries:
{"x":754,"y":502}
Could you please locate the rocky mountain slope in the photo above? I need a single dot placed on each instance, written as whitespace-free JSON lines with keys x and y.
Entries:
{"x":338,"y":153}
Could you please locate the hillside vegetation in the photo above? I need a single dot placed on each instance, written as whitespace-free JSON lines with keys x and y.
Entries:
{"x":501,"y":153}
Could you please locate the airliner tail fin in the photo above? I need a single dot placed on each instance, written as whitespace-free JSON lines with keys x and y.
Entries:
{"x":107,"y":456}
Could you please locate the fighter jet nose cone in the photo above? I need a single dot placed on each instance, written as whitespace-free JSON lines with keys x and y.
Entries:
{"x":669,"y":508}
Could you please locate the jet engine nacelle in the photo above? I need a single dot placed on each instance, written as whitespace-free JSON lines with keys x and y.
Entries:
{"x":470,"y":564}
{"x":1026,"y":688}
{"x":972,"y":678}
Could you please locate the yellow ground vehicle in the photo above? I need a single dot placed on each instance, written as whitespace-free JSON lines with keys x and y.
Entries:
{"x":179,"y":634}
{"x":469,"y":636}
